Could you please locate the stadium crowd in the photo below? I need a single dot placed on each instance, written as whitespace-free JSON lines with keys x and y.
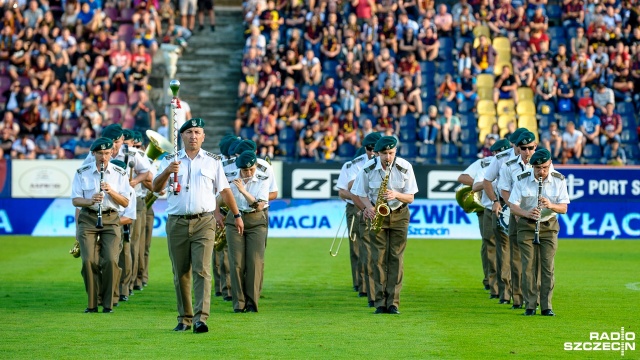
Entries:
{"x":70,"y":68}
{"x":320,"y":75}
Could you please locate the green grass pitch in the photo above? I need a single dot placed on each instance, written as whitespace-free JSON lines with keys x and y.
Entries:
{"x":309,"y":310}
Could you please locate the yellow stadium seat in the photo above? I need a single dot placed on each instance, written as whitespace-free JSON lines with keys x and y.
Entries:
{"x":526,"y":107}
{"x":484,"y":80}
{"x":506,"y":106}
{"x":502,"y":43}
{"x":476,"y":43}
{"x":497,"y":70}
{"x":483,"y":134}
{"x":525,"y":93}
{"x":486,"y":121}
{"x":503,"y":120}
{"x":486,"y":107}
{"x":503,"y":132}
{"x":528,"y":121}
{"x":504,"y":56}
{"x":485,"y":93}
{"x":481,"y":30}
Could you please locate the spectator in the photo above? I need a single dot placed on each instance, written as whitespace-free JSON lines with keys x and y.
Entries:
{"x":312,"y":70}
{"x":310,"y":109}
{"x":83,"y":143}
{"x":328,"y":145}
{"x":348,"y":130}
{"x":505,"y":86}
{"x":99,"y":75}
{"x":163,"y":129}
{"x":572,"y":14}
{"x":9,"y":124}
{"x":411,"y":101}
{"x":348,"y":98}
{"x":429,"y":45}
{"x":120,"y":59}
{"x":444,"y":21}
{"x":495,"y":130}
{"x":464,"y":58}
{"x":538,"y":40}
{"x":485,"y":151}
{"x":144,"y":113}
{"x":389,"y":96}
{"x":571,"y":143}
{"x":48,"y":147}
{"x":429,"y":126}
{"x":447,"y":90}
{"x":582,"y":70}
{"x":551,"y":140}
{"x":614,"y":154}
{"x":328,"y":92}
{"x":206,"y":6}
{"x":585,"y":100}
{"x":484,"y":57}
{"x":546,"y":89}
{"x":19,"y":60}
{"x":524,"y":70}
{"x":561,"y":60}
{"x":6,"y":143}
{"x":33,"y":15}
{"x":386,"y":121}
{"x":363,"y":9}
{"x":600,"y":61}
{"x":138,"y":80}
{"x":188,"y":10}
{"x":450,"y":126}
{"x":23,"y":148}
{"x":409,"y":67}
{"x":289,"y":113}
{"x":268,"y":140}
{"x":565,"y":93}
{"x":309,"y":140}
{"x":80,"y":74}
{"x":464,"y":23}
{"x":331,"y":47}
{"x":467,"y":89}
{"x":610,"y":125}
{"x":602,"y":97}
{"x":590,"y":126}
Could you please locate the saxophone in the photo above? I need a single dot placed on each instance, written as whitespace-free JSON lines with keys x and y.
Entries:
{"x":382,"y":209}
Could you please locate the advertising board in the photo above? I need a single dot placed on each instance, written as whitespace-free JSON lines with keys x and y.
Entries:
{"x":42,"y":178}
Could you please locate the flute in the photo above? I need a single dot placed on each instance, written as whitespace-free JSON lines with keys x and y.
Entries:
{"x":99,"y":223}
{"x":536,"y":233}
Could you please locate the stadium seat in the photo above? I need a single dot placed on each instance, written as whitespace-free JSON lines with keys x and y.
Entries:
{"x":592,"y":153}
{"x":446,"y":47}
{"x":526,"y":107}
{"x":484,"y":80}
{"x":134,"y":97}
{"x":525,"y":93}
{"x":428,"y":151}
{"x":126,"y":15}
{"x":497,"y":70}
{"x":554,"y":13}
{"x":469,"y":151}
{"x":545,"y":107}
{"x":407,"y":150}
{"x":572,"y":32}
{"x":118,"y":98}
{"x":287,"y":134}
{"x":466,"y":136}
{"x":486,"y":121}
{"x":556,"y":32}
{"x":461,"y":41}
{"x":408,"y":121}
{"x":629,"y":136}
{"x":346,"y":150}
{"x":126,"y":32}
{"x":482,"y":134}
{"x":482,"y":30}
{"x":467,"y":120}
{"x":466,"y":106}
{"x":445,"y":67}
{"x":528,"y":121}
{"x":449,"y":154}
{"x":564,"y":118}
{"x":114,"y":114}
{"x":554,"y":44}
{"x":288,"y":149}
{"x":544,"y":121}
{"x":247,"y":133}
{"x":625,"y":108}
{"x":408,"y":135}
{"x":502,"y":43}
{"x":505,"y":119}
{"x":632,"y":151}
{"x":128,"y":121}
{"x":452,"y":104}
{"x":506,"y":107}
{"x":628,"y":121}
{"x":111,"y":13}
{"x":428,"y":67}
{"x":485,"y":93}
{"x":486,"y":107}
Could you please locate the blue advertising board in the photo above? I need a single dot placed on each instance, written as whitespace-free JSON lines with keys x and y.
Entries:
{"x":602,"y":183}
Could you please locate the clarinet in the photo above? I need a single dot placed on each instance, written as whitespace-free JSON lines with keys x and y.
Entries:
{"x":536,"y":234}
{"x":99,"y":223}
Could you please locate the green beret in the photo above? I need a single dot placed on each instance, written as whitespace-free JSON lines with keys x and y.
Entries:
{"x":244,"y":146}
{"x":224,"y":146}
{"x":371,"y":139}
{"x":385,"y":143}
{"x":137,"y":137}
{"x":102,"y":143}
{"x":195,"y":122}
{"x":119,"y":163}
{"x":540,"y":157}
{"x":128,"y":134}
{"x":527,"y":137}
{"x":516,"y":134}
{"x":113,"y":132}
{"x":226,"y":139}
{"x":500,"y":145}
{"x":232,"y":147}
{"x":360,"y":152}
{"x":246,"y":159}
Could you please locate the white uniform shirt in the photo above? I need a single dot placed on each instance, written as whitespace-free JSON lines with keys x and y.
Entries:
{"x":493,"y":171}
{"x":349,"y":171}
{"x":140,"y":164}
{"x":370,"y":177}
{"x":525,"y":192}
{"x":472,"y":170}
{"x":509,"y":170}
{"x":258,"y":186}
{"x":86,"y":183}
{"x":199,"y":180}
{"x":484,"y":165}
{"x":263,"y":167}
{"x":130,"y":210}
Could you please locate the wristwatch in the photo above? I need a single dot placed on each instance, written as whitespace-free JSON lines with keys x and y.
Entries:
{"x":496,"y":200}
{"x":237,"y":215}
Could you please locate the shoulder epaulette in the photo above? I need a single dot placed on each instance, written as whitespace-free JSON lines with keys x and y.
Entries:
{"x":212,"y":155}
{"x":512,"y":161}
{"x":120,"y":170}
{"x":262,"y":168}
{"x":357,"y":160}
{"x":524,"y":175}
{"x":500,"y":156}
{"x":228,"y":162}
{"x":262,"y":177}
{"x":83,"y":169}
{"x":556,"y":174}
{"x":401,"y":169}
{"x":372,"y":166}
{"x":485,"y":163}
{"x":230,"y":174}
{"x":348,"y":164}
{"x":132,"y":153}
{"x":170,"y":156}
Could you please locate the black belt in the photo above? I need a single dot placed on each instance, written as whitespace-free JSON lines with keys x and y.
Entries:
{"x":193,"y":216}
{"x":546,"y":222}
{"x":250,"y":211}
{"x":104,"y":211}
{"x":400,"y":208}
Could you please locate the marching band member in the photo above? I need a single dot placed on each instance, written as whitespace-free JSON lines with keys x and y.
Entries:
{"x":250,"y":188}
{"x":488,"y":235}
{"x":127,"y":217}
{"x":392,"y":178}
{"x":100,"y":195}
{"x":492,"y":174}
{"x":360,"y":250}
{"x":191,"y":222}
{"x":525,"y":147}
{"x":537,"y":213}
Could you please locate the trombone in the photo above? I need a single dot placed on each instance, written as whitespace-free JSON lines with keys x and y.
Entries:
{"x":350,"y":229}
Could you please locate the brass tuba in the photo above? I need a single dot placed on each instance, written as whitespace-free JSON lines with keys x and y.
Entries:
{"x":382,"y":209}
{"x":469,"y":200}
{"x":75,"y":250}
{"x":158,"y":146}
{"x":220,"y":239}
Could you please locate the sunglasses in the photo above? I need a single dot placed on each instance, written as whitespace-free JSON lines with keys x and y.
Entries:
{"x":369,"y":148}
{"x":524,"y":148}
{"x":137,"y":146}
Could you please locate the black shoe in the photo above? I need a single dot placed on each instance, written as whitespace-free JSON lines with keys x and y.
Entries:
{"x":200,"y":327}
{"x":355,"y":288}
{"x":371,"y":303}
{"x":548,"y":312}
{"x":201,"y":27}
{"x":250,"y":308}
{"x":380,"y":310}
{"x":487,"y":287}
{"x":237,"y":311}
{"x":182,"y":327}
{"x":115,"y":305}
{"x":92,"y":310}
{"x":137,"y":288}
{"x":144,"y":284}
{"x":393,"y":310}
{"x":213,"y":28}
{"x":494,"y":297}
{"x":362,"y":294}
{"x":516,"y":306}
{"x":227,"y":298}
{"x":529,"y":312}
{"x":107,"y":310}
{"x":503,"y":302}
{"x":218,"y":294}
{"x":123,"y":298}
